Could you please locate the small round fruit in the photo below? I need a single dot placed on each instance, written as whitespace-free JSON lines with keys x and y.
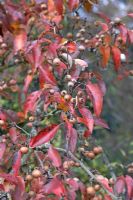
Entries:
{"x":2,"y":122}
{"x":81,"y":100}
{"x":100,"y":149}
{"x":78,"y":35}
{"x":69,"y":35}
{"x":29,"y":178}
{"x":63,"y":92}
{"x":90,"y":154}
{"x":31,"y":118}
{"x":70,"y":84}
{"x":51,"y":91}
{"x":56,"y":61}
{"x":31,"y":193}
{"x":96,"y":198}
{"x":81,"y":149}
{"x":111,"y":181}
{"x":68,"y":77}
{"x":117,"y":20}
{"x":66,"y":165}
{"x":81,"y":48}
{"x":73,"y":100}
{"x":72,"y":120}
{"x":91,"y":191}
{"x":82,"y":30}
{"x":96,"y":150}
{"x":130,"y":170}
{"x":36,"y":173}
{"x":97,"y":187}
{"x":3,"y":45}
{"x":12,"y":82}
{"x":67,"y":97}
{"x":24,"y":150}
{"x":46,"y":167}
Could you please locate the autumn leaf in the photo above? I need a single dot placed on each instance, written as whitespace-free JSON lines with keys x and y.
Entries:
{"x":16,"y":163}
{"x":44,"y":136}
{"x":54,"y":156}
{"x":2,"y":149}
{"x":96,"y":96}
{"x":87,"y":118}
{"x":116,"y":55}
{"x":31,"y":101}
{"x":129,"y":185}
{"x":20,"y":40}
{"x":105,"y":52}
{"x":73,"y":4}
{"x":130,"y":36}
{"x":59,"y":6}
{"x":27,"y":82}
{"x":55,"y":186}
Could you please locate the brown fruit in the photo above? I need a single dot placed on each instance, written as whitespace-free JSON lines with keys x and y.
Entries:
{"x":68,"y":77}
{"x":73,"y":100}
{"x":96,"y":150}
{"x":63,"y":92}
{"x":91,"y":191}
{"x":81,"y":48}
{"x":100,"y":149}
{"x":81,"y":100}
{"x":117,"y":20}
{"x":66,"y":165}
{"x":80,"y":94}
{"x":31,"y":118}
{"x":31,"y":193}
{"x":46,"y":167}
{"x":130,"y":170}
{"x":67,"y":97}
{"x":12,"y":82}
{"x":90,"y":154}
{"x":2,"y":122}
{"x":111,"y":181}
{"x":24,"y":150}
{"x":51,"y":91}
{"x":3,"y":45}
{"x":69,"y":35}
{"x":29,"y":177}
{"x":82,"y":30}
{"x":97,"y":187}
{"x":56,"y":61}
{"x":95,"y":198}
{"x":70,"y":84}
{"x":72,"y":120}
{"x":36,"y":173}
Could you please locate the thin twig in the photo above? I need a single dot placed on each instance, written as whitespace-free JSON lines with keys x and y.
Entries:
{"x":39,"y":160}
{"x":88,"y":171}
{"x":21,"y":129}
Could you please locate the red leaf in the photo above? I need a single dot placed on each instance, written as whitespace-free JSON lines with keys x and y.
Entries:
{"x":105,"y":52}
{"x":103,"y":16}
{"x":73,"y":4}
{"x":54,"y":156}
{"x":55,"y":186}
{"x":104,"y":182}
{"x":100,"y":122}
{"x":88,"y":118}
{"x":116,"y":53}
{"x":31,"y":101}
{"x":46,"y":76}
{"x":129,"y":185}
{"x":2,"y":149}
{"x":120,"y":185}
{"x":44,"y":136}
{"x":20,"y":41}
{"x":73,"y":140}
{"x":16,"y":163}
{"x":130,"y":14}
{"x":123,"y":32}
{"x":130,"y":35}
{"x":107,"y":197}
{"x":71,"y":47}
{"x":13,"y":134}
{"x":27,"y":82}
{"x":59,"y":6}
{"x":87,"y":133}
{"x":96,"y":95}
